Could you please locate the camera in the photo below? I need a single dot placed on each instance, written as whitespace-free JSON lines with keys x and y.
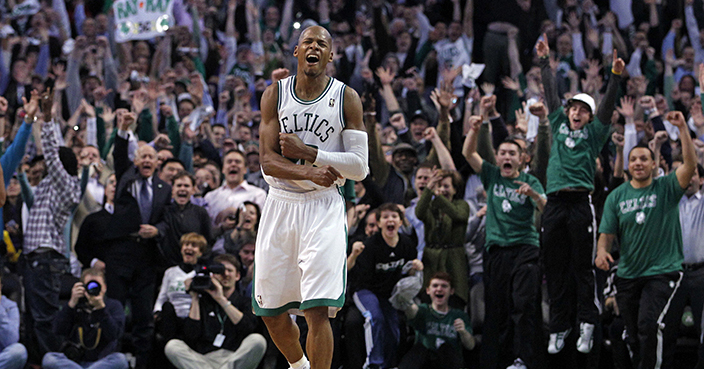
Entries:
{"x":73,"y":351}
{"x":93,"y":288}
{"x":201,"y":282}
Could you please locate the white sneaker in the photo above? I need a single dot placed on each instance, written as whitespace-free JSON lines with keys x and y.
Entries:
{"x":518,"y":364}
{"x":586,"y":337}
{"x":557,"y":341}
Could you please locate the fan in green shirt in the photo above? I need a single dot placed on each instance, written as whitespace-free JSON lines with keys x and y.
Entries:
{"x":644,"y":213}
{"x":441,"y":331}
{"x":511,"y":194}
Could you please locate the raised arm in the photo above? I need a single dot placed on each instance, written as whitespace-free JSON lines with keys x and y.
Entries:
{"x":469,"y":149}
{"x":608,"y":102}
{"x":549,"y":83}
{"x":689,"y":156}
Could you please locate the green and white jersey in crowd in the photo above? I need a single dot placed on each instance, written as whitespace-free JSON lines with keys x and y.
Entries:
{"x":647,"y":223}
{"x":434,"y":328}
{"x":509,"y":215}
{"x":573,"y":153}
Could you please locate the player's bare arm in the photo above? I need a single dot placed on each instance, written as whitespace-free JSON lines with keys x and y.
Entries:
{"x":689,"y":155}
{"x":469,"y":149}
{"x":353,"y":163}
{"x":603,"y":252}
{"x":273,"y":162}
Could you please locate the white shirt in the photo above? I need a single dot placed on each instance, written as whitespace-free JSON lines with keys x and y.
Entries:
{"x":96,"y":190}
{"x":226,"y":197}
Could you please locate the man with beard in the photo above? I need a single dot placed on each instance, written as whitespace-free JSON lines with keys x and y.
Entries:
{"x":643,"y":213}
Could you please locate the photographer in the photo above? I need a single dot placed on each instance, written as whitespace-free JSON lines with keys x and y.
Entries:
{"x":220,"y":326}
{"x":93,"y":325}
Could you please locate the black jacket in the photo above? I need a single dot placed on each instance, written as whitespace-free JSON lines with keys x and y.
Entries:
{"x":110,"y":321}
{"x":200,"y":334}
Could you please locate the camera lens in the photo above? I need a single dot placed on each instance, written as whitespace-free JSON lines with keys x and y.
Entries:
{"x":93,"y":288}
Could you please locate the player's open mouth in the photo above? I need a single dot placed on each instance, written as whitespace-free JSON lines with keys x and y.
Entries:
{"x":312,"y":59}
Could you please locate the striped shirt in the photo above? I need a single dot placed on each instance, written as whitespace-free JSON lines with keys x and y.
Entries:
{"x":692,"y":223}
{"x":54,"y":199}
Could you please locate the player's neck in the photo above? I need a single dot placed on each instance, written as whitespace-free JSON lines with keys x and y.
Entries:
{"x":309,"y":88}
{"x":642,"y":183}
{"x":227,"y":292}
{"x":390,"y":240}
{"x":444,"y":308}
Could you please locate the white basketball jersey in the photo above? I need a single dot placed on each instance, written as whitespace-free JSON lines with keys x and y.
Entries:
{"x":318,"y":123}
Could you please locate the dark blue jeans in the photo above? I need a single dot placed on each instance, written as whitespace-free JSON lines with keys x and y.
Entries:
{"x":382,"y":333}
{"x":42,"y":283}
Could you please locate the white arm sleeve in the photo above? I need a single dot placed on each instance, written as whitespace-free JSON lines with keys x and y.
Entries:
{"x":354,"y":162}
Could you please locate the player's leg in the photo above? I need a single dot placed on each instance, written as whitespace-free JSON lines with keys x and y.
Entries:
{"x":555,"y":253}
{"x":319,"y":344}
{"x":628,"y":300}
{"x":657,"y":326}
{"x":285,"y":334}
{"x":582,"y":230}
{"x":525,"y":312}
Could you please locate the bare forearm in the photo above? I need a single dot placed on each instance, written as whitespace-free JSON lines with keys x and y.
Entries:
{"x":467,"y":339}
{"x":194,"y":313}
{"x":551,"y":96}
{"x":277,"y":166}
{"x":389,"y":98}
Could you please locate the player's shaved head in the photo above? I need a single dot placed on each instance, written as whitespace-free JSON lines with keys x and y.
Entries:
{"x":324,"y":31}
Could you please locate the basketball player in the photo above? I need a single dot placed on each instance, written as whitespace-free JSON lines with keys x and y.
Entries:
{"x":312,"y":138}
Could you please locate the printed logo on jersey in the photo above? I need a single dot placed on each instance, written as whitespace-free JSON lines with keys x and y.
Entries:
{"x":390,"y":266}
{"x":640,"y":217}
{"x":331,"y":103}
{"x":506,"y":206}
{"x":643,"y":202}
{"x":508,"y":193}
{"x":565,"y":130}
{"x":308,"y":122}
{"x":440,"y":329}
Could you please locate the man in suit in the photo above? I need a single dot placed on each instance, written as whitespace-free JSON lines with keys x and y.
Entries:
{"x":132,"y":255}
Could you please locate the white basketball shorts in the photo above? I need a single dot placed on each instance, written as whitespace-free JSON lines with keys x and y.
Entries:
{"x":300,"y":259}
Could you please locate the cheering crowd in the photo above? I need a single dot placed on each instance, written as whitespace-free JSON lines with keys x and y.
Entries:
{"x":534,"y":201}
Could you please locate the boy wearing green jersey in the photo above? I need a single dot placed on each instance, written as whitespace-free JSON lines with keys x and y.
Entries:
{"x":441,"y":331}
{"x":579,"y":132}
{"x":511,"y":271}
{"x":644,"y":215}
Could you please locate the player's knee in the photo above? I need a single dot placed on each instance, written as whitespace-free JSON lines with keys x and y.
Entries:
{"x":316,"y":314}
{"x":276,"y":322}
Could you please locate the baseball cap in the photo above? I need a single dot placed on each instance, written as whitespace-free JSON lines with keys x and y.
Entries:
{"x":404,"y":147}
{"x":584,"y":98}
{"x":419,"y":114}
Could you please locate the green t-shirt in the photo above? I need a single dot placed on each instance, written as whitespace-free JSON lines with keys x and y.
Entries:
{"x":647,"y":223}
{"x":573,"y":153}
{"x":509,"y":215}
{"x":434,"y":328}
